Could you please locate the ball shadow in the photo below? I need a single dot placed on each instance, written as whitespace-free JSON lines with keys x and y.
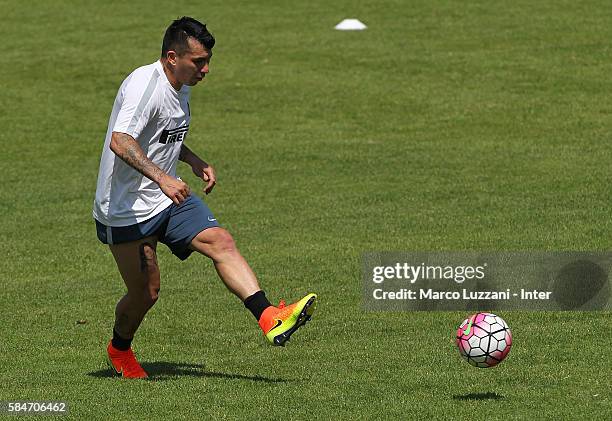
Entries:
{"x":478,"y":396}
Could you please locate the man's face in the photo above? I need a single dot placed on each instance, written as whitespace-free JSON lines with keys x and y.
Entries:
{"x":192,"y":66}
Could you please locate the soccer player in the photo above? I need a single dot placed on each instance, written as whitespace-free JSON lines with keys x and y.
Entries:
{"x":140,"y":201}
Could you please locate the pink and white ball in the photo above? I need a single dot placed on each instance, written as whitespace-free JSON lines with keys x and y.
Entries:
{"x":484,"y":340}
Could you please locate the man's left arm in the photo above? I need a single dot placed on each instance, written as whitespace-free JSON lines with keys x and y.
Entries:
{"x":199,"y":166}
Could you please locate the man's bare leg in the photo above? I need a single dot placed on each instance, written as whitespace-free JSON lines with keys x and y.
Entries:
{"x":277,"y":323}
{"x":233,"y":270}
{"x":137,"y":263}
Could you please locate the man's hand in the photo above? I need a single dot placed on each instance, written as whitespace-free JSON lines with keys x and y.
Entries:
{"x":200,"y":168}
{"x":205,"y":172}
{"x":175,"y":189}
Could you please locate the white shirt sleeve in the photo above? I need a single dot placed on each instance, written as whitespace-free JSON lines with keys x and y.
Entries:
{"x":138,"y":105}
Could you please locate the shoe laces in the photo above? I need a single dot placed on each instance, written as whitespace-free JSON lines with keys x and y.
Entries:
{"x":281,"y":304}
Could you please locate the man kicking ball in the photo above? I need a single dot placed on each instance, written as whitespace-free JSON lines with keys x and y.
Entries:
{"x":140,"y":200}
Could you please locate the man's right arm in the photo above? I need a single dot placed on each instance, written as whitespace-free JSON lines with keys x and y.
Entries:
{"x":126,"y":148}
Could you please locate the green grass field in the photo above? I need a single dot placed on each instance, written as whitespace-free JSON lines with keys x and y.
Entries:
{"x":445,"y":126}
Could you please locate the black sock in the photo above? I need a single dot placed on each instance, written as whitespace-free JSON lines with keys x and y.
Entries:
{"x":257,"y":303}
{"x":120,"y":343}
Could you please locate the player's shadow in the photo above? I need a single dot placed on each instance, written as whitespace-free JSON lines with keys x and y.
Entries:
{"x":163,"y":370}
{"x":478,"y":396}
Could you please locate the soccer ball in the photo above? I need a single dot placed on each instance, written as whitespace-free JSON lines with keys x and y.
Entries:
{"x":484,"y":340}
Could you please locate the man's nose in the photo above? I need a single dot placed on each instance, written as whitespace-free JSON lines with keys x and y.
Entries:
{"x":205,"y":68}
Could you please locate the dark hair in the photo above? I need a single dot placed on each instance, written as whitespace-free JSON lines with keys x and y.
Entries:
{"x":180,"y":30}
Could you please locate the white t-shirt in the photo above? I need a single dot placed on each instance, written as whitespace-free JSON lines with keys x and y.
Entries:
{"x":150,"y":110}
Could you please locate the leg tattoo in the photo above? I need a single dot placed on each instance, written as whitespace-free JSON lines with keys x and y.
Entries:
{"x":143,"y":256}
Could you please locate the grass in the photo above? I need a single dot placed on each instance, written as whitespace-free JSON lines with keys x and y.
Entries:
{"x":444,"y":126}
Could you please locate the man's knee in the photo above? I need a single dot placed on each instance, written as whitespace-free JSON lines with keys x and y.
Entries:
{"x":219,"y":240}
{"x":225,"y":241}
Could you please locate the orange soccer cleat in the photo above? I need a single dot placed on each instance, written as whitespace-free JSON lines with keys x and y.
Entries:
{"x":124,"y":363}
{"x":279,"y":323}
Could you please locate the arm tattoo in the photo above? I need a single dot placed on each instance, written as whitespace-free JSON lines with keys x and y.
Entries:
{"x":130,"y":151}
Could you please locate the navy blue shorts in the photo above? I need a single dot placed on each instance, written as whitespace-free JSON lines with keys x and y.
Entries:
{"x":175,"y":226}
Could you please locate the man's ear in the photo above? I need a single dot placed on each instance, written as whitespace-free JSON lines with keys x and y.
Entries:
{"x":171,"y":56}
